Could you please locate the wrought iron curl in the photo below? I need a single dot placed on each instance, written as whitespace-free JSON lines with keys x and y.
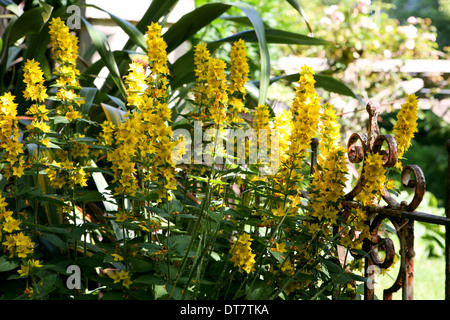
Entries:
{"x":411,"y":177}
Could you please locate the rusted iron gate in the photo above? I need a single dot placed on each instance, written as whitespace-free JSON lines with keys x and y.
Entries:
{"x":402,"y":215}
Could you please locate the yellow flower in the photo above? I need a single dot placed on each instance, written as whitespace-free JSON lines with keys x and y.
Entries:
{"x":305,"y":116}
{"x":24,"y":270}
{"x":239,"y":68}
{"x":9,"y":136}
{"x":10,"y":225}
{"x":406,"y":125}
{"x":123,"y":276}
{"x":374,"y":176}
{"x":242,"y":253}
{"x":201,"y":58}
{"x":79,"y":177}
{"x":117,"y":257}
{"x":34,"y":80}
{"x":156,"y":49}
{"x":261,"y":118}
{"x":64,"y":47}
{"x":279,"y":247}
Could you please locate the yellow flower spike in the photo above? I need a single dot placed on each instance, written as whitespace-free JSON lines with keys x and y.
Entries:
{"x":406,"y":125}
{"x":242,"y":253}
{"x":375,"y":177}
{"x":156,"y":50}
{"x":239,"y":68}
{"x":34,"y":80}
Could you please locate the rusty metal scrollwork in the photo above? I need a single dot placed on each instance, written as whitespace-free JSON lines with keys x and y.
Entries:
{"x":359,"y":145}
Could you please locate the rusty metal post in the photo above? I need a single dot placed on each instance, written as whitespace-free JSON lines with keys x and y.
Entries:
{"x":407,"y":256}
{"x":447,"y":230}
{"x":314,"y":147}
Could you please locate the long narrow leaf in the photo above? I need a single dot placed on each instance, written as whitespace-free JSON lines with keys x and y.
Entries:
{"x":299,"y":8}
{"x":258,"y":25}
{"x":135,"y":35}
{"x":325,"y":82}
{"x":277,"y":36}
{"x":100,"y":42}
{"x":11,"y":6}
{"x":113,"y":114}
{"x":189,"y":24}
{"x":156,"y":10}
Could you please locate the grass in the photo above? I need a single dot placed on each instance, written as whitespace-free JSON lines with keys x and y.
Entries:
{"x":429,"y":280}
{"x":429,"y":274}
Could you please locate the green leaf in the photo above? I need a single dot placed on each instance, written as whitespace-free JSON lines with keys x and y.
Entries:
{"x":203,"y":179}
{"x":325,"y":82}
{"x":277,"y":36}
{"x":178,"y":245}
{"x":50,"y":199}
{"x":139,"y":265}
{"x":88,"y":93}
{"x":11,"y":6}
{"x":333,"y":85}
{"x":299,"y":8}
{"x":113,"y":114}
{"x":173,"y":206}
{"x":135,"y":35}
{"x":150,"y":279}
{"x":100,"y":43}
{"x":89,"y":196}
{"x":54,"y":239}
{"x":30,"y":22}
{"x":332,"y":267}
{"x":189,"y":24}
{"x":6,"y":265}
{"x":156,"y":10}
{"x":259,"y":290}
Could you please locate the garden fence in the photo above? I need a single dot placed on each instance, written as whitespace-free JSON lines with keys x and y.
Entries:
{"x":402,"y":215}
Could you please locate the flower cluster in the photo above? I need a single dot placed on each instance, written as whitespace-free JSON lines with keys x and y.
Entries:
{"x":261,"y":118}
{"x":67,"y":173}
{"x":156,"y":49}
{"x":242,"y":253}
{"x":201,"y":59}
{"x":330,"y":177}
{"x":145,"y":135}
{"x":37,"y":93}
{"x":223,"y":95}
{"x":305,"y":113}
{"x":123,"y":276}
{"x":17,"y":243}
{"x":66,"y":170}
{"x":10,"y":134}
{"x":406,"y":125}
{"x":65,"y":52}
{"x":238,"y":77}
{"x":28,"y":267}
{"x":374,"y":178}
{"x":296,"y":127}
